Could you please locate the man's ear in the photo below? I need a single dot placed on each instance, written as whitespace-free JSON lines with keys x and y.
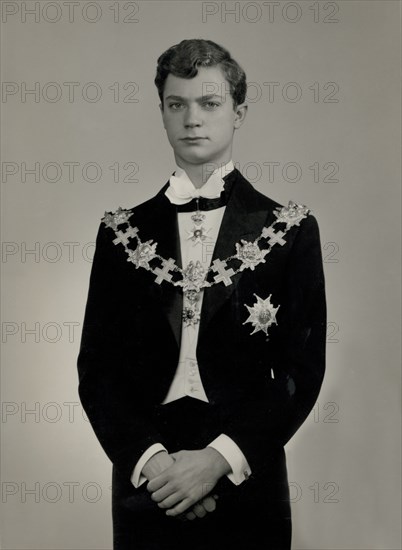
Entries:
{"x":240,"y":115}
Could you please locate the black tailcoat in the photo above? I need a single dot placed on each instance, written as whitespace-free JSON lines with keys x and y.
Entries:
{"x":260,"y":390}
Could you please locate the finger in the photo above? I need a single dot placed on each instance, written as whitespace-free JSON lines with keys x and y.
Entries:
{"x":209,"y":504}
{"x":190,"y":516}
{"x":171,"y":501}
{"x":199,"y":510}
{"x":180,"y":508}
{"x":165,"y":492}
{"x":157,"y":483}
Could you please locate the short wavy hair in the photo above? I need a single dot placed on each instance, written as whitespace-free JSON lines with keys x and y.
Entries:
{"x":184,"y":59}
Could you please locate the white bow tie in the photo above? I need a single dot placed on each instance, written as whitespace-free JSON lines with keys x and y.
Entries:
{"x":181,"y":189}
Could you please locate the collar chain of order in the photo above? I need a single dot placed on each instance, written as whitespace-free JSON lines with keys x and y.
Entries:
{"x":195,"y":277}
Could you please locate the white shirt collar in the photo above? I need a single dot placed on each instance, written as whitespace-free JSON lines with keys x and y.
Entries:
{"x":182,"y":189}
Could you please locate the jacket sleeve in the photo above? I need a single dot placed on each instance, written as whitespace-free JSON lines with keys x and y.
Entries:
{"x":107,"y":389}
{"x":268,"y":421}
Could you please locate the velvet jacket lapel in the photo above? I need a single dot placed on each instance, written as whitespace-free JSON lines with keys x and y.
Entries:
{"x":244,"y":218}
{"x":165,"y":232}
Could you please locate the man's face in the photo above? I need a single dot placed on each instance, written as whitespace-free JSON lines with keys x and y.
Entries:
{"x":199,"y":117}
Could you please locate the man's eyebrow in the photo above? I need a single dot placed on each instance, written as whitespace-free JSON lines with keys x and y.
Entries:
{"x":202,"y":98}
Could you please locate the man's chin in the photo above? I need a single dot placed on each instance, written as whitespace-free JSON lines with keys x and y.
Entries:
{"x":197,"y":158}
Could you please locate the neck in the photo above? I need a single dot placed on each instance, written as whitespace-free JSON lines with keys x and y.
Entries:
{"x":199,"y":173}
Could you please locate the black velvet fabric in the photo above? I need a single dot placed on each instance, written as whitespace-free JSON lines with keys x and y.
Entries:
{"x":260,"y":389}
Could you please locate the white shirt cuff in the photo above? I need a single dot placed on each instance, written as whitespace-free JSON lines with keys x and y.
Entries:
{"x":233,"y":454}
{"x":137,"y":478}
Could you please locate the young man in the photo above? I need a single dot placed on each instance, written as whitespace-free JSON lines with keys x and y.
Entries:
{"x":203,"y":345}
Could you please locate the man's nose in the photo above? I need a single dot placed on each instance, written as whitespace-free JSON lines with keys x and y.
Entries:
{"x":192,"y":117}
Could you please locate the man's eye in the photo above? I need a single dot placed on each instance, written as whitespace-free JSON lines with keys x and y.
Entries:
{"x":175,"y":106}
{"x":211,"y":104}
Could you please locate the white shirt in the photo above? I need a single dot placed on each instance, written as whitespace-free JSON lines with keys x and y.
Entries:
{"x":187,"y":380}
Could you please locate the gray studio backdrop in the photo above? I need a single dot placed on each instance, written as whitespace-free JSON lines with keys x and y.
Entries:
{"x":82,"y":134}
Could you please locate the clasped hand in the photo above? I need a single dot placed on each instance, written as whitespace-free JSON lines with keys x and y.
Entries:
{"x":187,"y":482}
